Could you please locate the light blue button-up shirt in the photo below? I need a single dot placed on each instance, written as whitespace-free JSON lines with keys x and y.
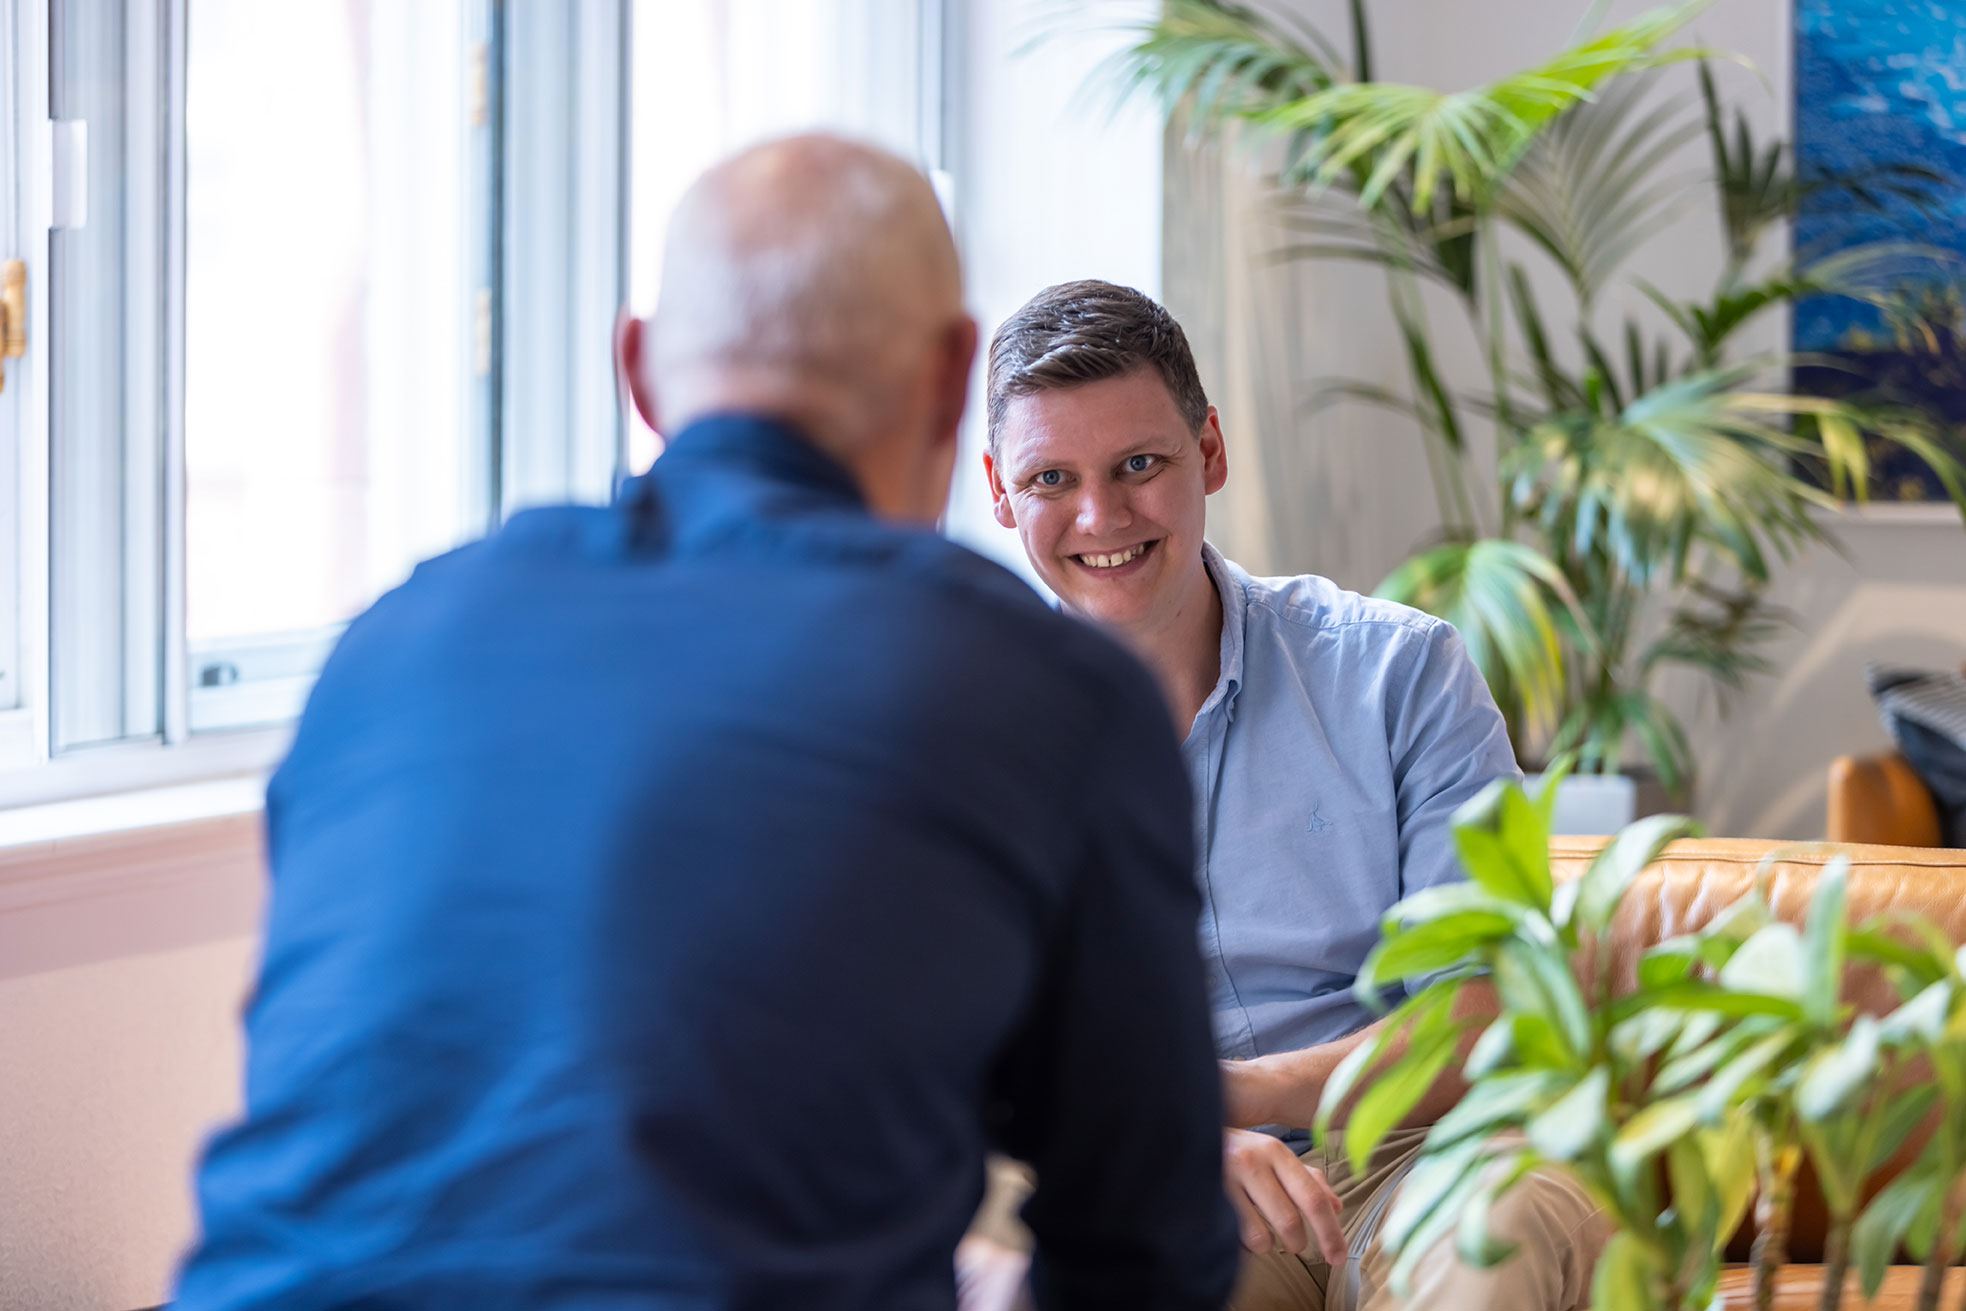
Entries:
{"x":1341,"y":735}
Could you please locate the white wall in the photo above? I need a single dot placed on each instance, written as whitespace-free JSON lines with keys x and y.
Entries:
{"x":1344,"y":492}
{"x":1050,"y":186}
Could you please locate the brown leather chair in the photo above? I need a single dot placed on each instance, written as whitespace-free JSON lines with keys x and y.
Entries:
{"x":1695,"y":879}
{"x":1881,"y":799}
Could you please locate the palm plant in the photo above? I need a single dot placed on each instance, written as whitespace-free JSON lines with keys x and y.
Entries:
{"x":1646,"y":485}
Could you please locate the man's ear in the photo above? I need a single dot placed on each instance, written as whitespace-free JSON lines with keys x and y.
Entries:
{"x":958,"y":357}
{"x":1214,"y":454}
{"x":631,"y":368}
{"x":999,"y":498}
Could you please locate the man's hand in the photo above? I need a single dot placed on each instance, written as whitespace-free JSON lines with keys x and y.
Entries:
{"x":1283,"y":1204}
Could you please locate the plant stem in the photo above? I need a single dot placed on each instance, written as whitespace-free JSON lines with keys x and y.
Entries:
{"x":1836,"y":1263}
{"x":1931,"y":1283}
{"x":1771,"y":1218}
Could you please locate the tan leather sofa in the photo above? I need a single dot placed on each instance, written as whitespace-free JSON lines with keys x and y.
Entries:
{"x":1696,"y":879}
{"x":1881,"y":799}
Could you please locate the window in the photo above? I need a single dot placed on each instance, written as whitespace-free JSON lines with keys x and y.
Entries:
{"x":740,"y":71}
{"x":319,"y":287}
{"x":337,"y":219}
{"x":280,"y":257}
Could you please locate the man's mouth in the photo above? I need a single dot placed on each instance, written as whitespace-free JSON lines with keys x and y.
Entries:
{"x":1115,"y":559}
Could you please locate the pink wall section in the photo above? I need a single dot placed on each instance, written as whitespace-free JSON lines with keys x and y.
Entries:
{"x":123,"y":964}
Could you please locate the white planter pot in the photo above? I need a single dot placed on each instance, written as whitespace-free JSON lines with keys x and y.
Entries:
{"x":1597,"y":804}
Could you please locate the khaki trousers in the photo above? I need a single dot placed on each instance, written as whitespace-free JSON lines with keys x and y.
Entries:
{"x":1558,"y":1231}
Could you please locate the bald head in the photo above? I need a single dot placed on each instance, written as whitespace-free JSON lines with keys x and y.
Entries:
{"x":812,"y":278}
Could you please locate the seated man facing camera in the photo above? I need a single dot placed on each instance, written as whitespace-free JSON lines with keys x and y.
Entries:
{"x":659,"y":919}
{"x":1328,"y":739}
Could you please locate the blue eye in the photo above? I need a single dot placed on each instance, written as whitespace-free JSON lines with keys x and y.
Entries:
{"x":1049,"y":478}
{"x":1139,"y":463}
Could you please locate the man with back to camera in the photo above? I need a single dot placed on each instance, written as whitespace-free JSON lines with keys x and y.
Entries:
{"x":651,"y":924}
{"x":1328,"y":739}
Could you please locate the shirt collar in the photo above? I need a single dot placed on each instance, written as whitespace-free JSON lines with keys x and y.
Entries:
{"x":1229,"y":584}
{"x":767,"y":446}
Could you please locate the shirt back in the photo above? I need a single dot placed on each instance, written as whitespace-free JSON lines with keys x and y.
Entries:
{"x":672,"y":902}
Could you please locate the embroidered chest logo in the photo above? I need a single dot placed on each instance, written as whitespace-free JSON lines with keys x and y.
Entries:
{"x":1318,"y":822}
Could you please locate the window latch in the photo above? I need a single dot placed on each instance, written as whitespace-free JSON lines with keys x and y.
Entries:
{"x":13,"y":313}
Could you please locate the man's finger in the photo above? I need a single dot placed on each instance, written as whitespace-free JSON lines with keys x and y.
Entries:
{"x":1256,"y":1235}
{"x":1279,"y":1209}
{"x":1319,"y":1205}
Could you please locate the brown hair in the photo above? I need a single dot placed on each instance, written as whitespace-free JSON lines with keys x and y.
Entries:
{"x":1088,"y":331}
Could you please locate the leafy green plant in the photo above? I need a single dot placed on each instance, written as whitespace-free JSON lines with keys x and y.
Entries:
{"x":1675,"y":1097}
{"x":1647,"y":484}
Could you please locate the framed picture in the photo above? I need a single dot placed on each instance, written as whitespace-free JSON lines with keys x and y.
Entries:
{"x":1880,"y":156}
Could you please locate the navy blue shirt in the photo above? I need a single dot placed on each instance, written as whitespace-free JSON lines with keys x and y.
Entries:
{"x":672,"y":902}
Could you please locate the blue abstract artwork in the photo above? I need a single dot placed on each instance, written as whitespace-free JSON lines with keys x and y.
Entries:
{"x":1880,"y":91}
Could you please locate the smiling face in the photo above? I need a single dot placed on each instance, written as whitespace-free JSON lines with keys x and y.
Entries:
{"x":1106,"y":486}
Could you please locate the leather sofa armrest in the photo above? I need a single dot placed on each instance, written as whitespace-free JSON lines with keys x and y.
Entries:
{"x":1880,"y":799}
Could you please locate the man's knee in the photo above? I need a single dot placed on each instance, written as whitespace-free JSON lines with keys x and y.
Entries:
{"x":1557,"y":1232}
{"x":1549,"y":1208}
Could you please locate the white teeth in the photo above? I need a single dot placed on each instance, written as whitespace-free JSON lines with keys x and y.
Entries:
{"x":1113,"y":561}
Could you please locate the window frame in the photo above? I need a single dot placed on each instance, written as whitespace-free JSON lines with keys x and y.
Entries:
{"x":554,"y":82}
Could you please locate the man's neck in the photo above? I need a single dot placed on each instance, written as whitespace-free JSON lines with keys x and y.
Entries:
{"x":1185,"y":651}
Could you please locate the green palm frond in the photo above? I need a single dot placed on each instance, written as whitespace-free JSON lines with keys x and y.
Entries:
{"x":1504,"y":598}
{"x":1599,"y":724}
{"x":1873,"y":273}
{"x":1695,"y":462}
{"x":1463,"y":142}
{"x":1720,"y":631}
{"x":1586,"y":192}
{"x":1831,"y":435}
{"x":1230,"y":59}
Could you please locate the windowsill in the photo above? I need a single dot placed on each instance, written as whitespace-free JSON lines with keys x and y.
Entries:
{"x":122,"y":812}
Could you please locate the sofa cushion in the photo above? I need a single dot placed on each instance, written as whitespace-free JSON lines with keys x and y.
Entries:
{"x":1694,"y":880}
{"x":1925,"y":713}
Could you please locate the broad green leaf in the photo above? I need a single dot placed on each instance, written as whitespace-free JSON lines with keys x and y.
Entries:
{"x":1444,"y":899}
{"x":1394,"y":1093}
{"x":1729,"y":1154}
{"x":1733,"y":1079}
{"x":1693,"y":1193}
{"x":1705,"y":997}
{"x":1698,"y":1027}
{"x":1412,"y":1014}
{"x":1834,"y":1075}
{"x":1493,"y":1049}
{"x":1604,"y":884}
{"x":1739,"y":920}
{"x":1476,"y":1245}
{"x":1770,"y":964}
{"x":1538,"y":981}
{"x":1905,"y":1109}
{"x":1502,"y":1101}
{"x":1650,"y":1131}
{"x":1574,"y":1121}
{"x":1823,"y":939}
{"x":1645,"y":1034}
{"x":1504,"y":844}
{"x":1671,"y":961}
{"x":1831,"y":1145}
{"x":1879,"y":947}
{"x":1429,"y":947}
{"x":1433,"y":1177}
{"x":1922,"y":1019}
{"x":1623,"y":1281}
{"x":1885,"y":1224}
{"x":1434,"y":1228}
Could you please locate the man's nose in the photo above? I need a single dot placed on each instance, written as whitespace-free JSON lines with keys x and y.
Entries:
{"x":1102,"y":510}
